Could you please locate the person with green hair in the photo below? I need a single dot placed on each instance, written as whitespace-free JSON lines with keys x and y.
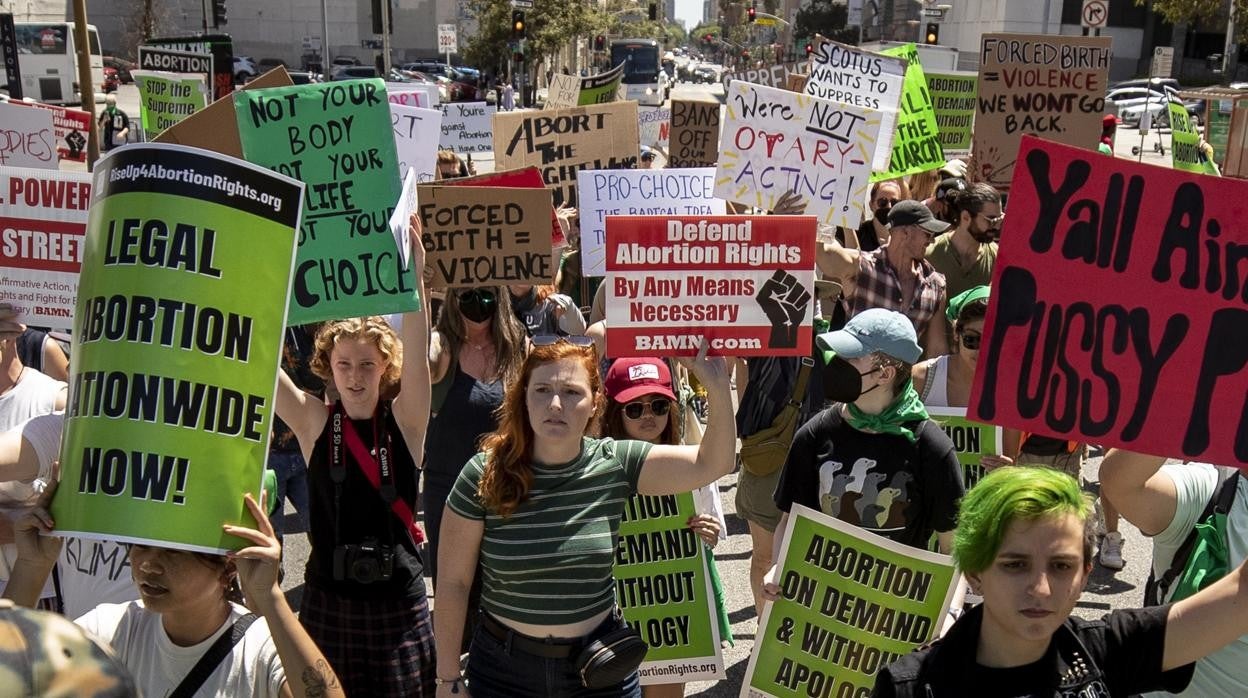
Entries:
{"x":873,"y":459}
{"x":1024,"y":540}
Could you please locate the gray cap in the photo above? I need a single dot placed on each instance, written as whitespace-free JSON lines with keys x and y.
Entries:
{"x":886,"y":331}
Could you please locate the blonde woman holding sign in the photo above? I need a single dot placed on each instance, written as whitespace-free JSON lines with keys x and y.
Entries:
{"x":364,"y":601}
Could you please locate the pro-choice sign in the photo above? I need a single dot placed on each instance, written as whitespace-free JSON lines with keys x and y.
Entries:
{"x":665,"y":592}
{"x":851,"y":602}
{"x":177,"y":334}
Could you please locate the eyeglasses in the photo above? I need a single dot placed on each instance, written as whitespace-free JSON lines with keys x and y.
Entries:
{"x":549,"y":340}
{"x":971,"y":340}
{"x":993,"y":220}
{"x":484,"y":296}
{"x":658,"y":407}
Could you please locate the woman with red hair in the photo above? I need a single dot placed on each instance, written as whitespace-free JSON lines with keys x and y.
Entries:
{"x":538,"y":512}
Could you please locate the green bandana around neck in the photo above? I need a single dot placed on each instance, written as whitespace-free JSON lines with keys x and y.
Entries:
{"x":907,"y":407}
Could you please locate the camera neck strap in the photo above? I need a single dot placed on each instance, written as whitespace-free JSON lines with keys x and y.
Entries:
{"x":378,"y":468}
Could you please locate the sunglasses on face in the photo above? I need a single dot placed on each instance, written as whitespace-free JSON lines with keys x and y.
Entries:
{"x":994,"y":221}
{"x":971,"y":340}
{"x":478,"y":295}
{"x":658,"y":407}
{"x":885,"y":201}
{"x":548,"y":340}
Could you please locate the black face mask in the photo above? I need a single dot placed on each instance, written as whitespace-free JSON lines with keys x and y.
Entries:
{"x":477,"y":306}
{"x":881,"y":214}
{"x":842,"y":382}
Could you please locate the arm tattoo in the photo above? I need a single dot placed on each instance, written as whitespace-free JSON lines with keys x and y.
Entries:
{"x":314,"y":681}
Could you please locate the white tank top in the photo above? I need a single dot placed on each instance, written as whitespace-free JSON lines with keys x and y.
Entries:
{"x":936,"y":388}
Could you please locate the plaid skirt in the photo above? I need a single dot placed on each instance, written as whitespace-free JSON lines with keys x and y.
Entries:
{"x":378,"y":647}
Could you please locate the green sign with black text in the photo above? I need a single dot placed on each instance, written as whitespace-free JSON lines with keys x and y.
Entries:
{"x":971,"y":440}
{"x":177,"y":334}
{"x":916,"y":146}
{"x":338,"y":139}
{"x":662,"y":587}
{"x":851,"y":602}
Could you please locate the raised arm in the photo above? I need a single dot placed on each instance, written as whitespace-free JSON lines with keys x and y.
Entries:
{"x":411,"y":405}
{"x":457,"y":566}
{"x":675,"y":469}
{"x":1207,"y":621}
{"x":1139,"y":490}
{"x":837,"y":263}
{"x":935,"y":337}
{"x":305,"y":414}
{"x":307,"y":671}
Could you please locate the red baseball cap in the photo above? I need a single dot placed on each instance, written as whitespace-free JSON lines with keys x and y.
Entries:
{"x":629,"y":379}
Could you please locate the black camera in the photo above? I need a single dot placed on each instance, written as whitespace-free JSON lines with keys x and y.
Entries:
{"x":364,"y":563}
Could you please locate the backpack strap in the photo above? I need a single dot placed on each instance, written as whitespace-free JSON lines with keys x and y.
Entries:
{"x":211,"y":659}
{"x":1223,"y":498}
{"x":803,"y":379}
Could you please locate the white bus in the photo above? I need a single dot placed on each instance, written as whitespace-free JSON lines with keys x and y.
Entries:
{"x":47,"y":54}
{"x":644,"y":79}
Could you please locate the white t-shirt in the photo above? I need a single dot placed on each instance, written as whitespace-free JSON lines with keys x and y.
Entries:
{"x":92,"y":572}
{"x":34,"y":394}
{"x":43,"y":433}
{"x":1225,"y":672}
{"x":137,"y":636}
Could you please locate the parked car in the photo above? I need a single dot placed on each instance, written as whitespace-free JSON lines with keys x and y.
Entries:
{"x":303,"y":77}
{"x":352,"y":72}
{"x":111,"y":81}
{"x":267,"y":64}
{"x":244,"y":69}
{"x":123,"y":68}
{"x":345,"y":60}
{"x":1131,"y":102}
{"x":703,"y":73}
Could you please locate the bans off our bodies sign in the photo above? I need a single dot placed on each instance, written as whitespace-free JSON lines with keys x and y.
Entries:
{"x":850,"y":603}
{"x":746,"y":283}
{"x":177,"y":334}
{"x":1119,"y":310}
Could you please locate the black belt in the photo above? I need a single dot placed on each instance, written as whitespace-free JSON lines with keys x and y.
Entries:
{"x":550,"y":649}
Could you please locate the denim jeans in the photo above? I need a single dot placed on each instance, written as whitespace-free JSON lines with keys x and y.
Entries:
{"x":292,"y":482}
{"x":498,"y":671}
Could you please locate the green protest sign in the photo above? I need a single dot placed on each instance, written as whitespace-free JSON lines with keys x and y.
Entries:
{"x":167,"y":98}
{"x":177,"y":334}
{"x":971,"y":440}
{"x":953,"y":102}
{"x":663,"y":588}
{"x":916,"y":146}
{"x":851,"y":602}
{"x":1185,"y":146}
{"x":337,"y":138}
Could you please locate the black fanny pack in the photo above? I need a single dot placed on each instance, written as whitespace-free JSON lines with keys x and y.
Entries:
{"x":612,"y":657}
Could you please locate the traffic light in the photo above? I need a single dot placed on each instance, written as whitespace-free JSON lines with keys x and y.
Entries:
{"x":654,"y":11}
{"x":218,"y":13}
{"x":600,"y":43}
{"x":750,"y":13}
{"x":933,"y":33}
{"x":517,"y":25}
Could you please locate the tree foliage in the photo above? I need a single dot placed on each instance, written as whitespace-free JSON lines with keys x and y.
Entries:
{"x":826,"y":18}
{"x":548,"y":26}
{"x":1196,"y":11}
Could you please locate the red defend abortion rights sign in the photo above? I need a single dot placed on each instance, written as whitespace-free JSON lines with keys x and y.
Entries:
{"x":746,"y":283}
{"x":1119,"y":311}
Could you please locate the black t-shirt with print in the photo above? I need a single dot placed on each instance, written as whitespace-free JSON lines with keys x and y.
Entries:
{"x":880,"y":482}
{"x":1118,"y":655}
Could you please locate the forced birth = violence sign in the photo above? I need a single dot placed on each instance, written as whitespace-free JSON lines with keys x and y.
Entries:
{"x":43,"y":221}
{"x":477,"y":236}
{"x":745,"y":283}
{"x":177,"y":337}
{"x":776,"y":141}
{"x":338,"y":139}
{"x":1048,"y":86}
{"x":1119,"y":310}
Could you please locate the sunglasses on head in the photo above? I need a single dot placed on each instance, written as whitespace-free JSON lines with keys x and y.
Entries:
{"x":479,"y":295}
{"x":658,"y":407}
{"x":971,"y":341}
{"x":548,"y":340}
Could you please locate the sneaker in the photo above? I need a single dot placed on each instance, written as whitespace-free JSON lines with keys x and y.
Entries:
{"x":1098,"y":511}
{"x":1111,"y":551}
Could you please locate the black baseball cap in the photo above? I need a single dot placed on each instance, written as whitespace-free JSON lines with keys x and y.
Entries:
{"x":910,"y":212}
